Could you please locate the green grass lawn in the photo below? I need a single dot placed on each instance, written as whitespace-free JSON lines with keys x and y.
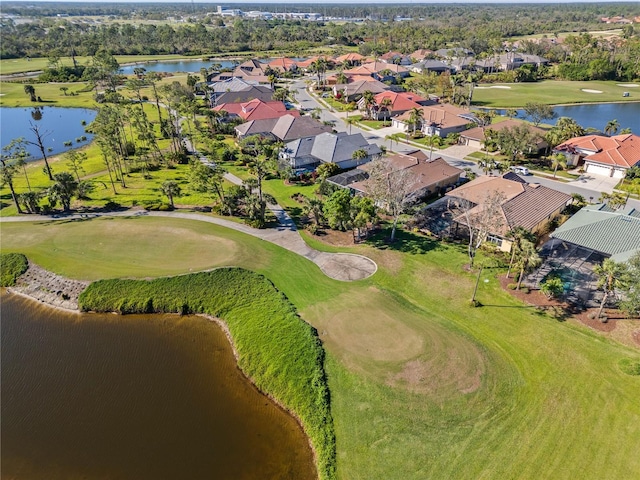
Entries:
{"x":422,"y":385}
{"x":551,"y":92}
{"x":13,"y":95}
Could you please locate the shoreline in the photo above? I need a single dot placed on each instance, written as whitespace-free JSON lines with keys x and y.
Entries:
{"x":35,"y":284}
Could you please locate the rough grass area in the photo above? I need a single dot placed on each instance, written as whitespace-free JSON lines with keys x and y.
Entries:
{"x":551,"y":92}
{"x":12,"y":265}
{"x":422,"y":385}
{"x":280,"y":352}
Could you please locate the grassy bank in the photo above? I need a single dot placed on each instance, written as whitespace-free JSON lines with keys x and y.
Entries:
{"x":280,"y":352}
{"x":422,"y":385}
{"x":551,"y":92}
{"x":12,"y":265}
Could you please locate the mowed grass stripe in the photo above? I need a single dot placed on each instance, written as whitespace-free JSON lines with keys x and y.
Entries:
{"x":552,"y":401}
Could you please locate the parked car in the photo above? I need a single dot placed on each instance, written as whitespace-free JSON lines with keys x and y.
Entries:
{"x":520,"y":170}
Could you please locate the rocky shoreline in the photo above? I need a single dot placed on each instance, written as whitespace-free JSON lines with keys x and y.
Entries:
{"x":47,"y":287}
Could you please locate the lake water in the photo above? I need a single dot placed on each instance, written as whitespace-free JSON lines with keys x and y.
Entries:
{"x":184,"y":65}
{"x":598,"y":115}
{"x":134,"y":397}
{"x":58,"y":125}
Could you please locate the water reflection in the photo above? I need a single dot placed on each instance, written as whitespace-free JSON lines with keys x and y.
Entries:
{"x":136,"y":397}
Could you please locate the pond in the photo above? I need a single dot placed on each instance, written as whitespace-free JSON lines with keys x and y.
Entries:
{"x":134,"y":397}
{"x":185,"y":65}
{"x":597,"y":115}
{"x":57,"y":125}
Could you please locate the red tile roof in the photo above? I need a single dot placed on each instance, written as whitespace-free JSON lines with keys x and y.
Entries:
{"x":401,"y":101}
{"x":443,"y":115}
{"x":257,"y":110}
{"x":620,"y":151}
{"x":283,"y":64}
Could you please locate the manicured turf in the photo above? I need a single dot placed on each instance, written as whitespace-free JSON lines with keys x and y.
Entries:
{"x":13,"y":95}
{"x":550,"y":92}
{"x":422,"y":385}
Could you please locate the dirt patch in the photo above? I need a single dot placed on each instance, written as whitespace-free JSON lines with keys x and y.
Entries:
{"x":336,"y":238}
{"x":594,"y":323}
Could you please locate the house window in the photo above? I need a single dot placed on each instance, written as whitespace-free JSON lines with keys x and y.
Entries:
{"x":495,"y":240}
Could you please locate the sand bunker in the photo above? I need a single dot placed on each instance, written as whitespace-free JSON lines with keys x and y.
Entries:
{"x":628,"y":85}
{"x":588,"y":90}
{"x":496,"y":86}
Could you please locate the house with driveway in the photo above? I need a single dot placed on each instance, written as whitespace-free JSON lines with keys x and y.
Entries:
{"x":517,"y":204}
{"x":305,"y":154}
{"x":601,"y":155}
{"x":398,"y":102}
{"x":285,"y":129}
{"x":255,"y":110}
{"x":475,"y":137}
{"x":441,"y":120}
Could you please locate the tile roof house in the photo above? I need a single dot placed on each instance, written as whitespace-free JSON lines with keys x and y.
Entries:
{"x":612,"y":233}
{"x":400,"y":103}
{"x":379,"y":70}
{"x":441,"y":119}
{"x":430,"y":65}
{"x":256,"y":110}
{"x":429,"y":177}
{"x":234,"y":90}
{"x":350,"y":59}
{"x":251,"y":70}
{"x":283,"y":64}
{"x":285,"y":128}
{"x":352,"y":92}
{"x":396,"y":58}
{"x":421,"y":54}
{"x":609,"y":156}
{"x":530,"y":206}
{"x":475,"y":137}
{"x":305,"y":154}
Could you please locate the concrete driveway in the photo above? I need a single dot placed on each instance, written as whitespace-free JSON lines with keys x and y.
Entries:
{"x":598,"y":183}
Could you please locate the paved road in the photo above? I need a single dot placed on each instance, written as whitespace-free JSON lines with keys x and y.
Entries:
{"x":309,"y":102}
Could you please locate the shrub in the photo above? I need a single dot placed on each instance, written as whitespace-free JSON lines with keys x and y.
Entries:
{"x":12,"y":265}
{"x":630,"y":367}
{"x":512,"y":286}
{"x":552,"y":287}
{"x":279,"y":351}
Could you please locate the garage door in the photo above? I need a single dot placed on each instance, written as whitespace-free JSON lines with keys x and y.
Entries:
{"x":598,"y":169}
{"x":619,"y":173}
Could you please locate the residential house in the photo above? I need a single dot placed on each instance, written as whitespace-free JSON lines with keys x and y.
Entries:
{"x":396,"y":58}
{"x":520,"y":204}
{"x":307,"y":65}
{"x":283,"y":64}
{"x":286,"y":128}
{"x":475,"y":137}
{"x":352,"y":92}
{"x":428,"y":177}
{"x":429,"y":65}
{"x":599,"y":228}
{"x":305,"y":154}
{"x":441,"y":120}
{"x":349,"y":59}
{"x":608,"y":156}
{"x":250,"y":70}
{"x":399,"y":102}
{"x":255,"y":110}
{"x":380,"y":71}
{"x":421,"y":54}
{"x":234,"y":90}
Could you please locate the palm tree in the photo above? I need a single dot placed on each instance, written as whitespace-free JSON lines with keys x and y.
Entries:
{"x":358,"y":155}
{"x":384,"y":106}
{"x":171,"y":189}
{"x":611,"y":276}
{"x":313,"y":209}
{"x":64,"y":90}
{"x":31,"y":91}
{"x":369,"y":100}
{"x":416,"y":115}
{"x":341,"y":78}
{"x":349,"y":122}
{"x":517,"y":235}
{"x":320,"y":67}
{"x":611,"y":129}
{"x":527,"y":258}
{"x":558,"y":160}
{"x":487,"y":164}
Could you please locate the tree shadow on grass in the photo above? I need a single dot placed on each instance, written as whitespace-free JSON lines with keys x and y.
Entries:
{"x":406,"y":242}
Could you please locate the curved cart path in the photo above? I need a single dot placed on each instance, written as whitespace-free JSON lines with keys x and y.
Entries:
{"x":339,"y":266}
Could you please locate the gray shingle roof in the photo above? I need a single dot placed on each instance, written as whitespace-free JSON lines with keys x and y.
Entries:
{"x":615,"y":233}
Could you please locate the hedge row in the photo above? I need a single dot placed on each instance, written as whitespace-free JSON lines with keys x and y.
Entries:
{"x":12,"y":265}
{"x":279,"y":351}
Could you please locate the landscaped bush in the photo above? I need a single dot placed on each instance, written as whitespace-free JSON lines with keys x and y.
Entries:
{"x":12,"y":265}
{"x":276,"y":349}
